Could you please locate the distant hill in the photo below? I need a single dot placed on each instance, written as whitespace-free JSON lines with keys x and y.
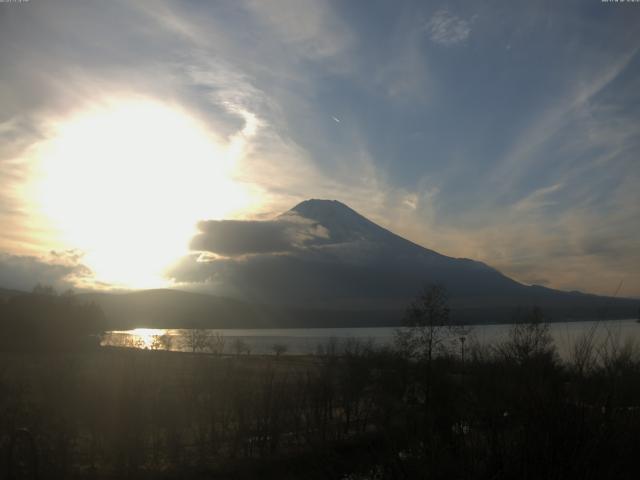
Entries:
{"x":165,"y":308}
{"x":6,"y":293}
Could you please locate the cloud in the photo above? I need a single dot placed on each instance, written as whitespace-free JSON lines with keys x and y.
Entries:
{"x":61,"y":270}
{"x":447,"y":29}
{"x":310,"y":26}
{"x":576,"y":119}
{"x":233,"y":237}
{"x":245,"y":237}
{"x":537,"y":199}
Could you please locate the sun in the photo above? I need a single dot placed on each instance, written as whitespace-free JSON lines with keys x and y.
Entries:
{"x":126,"y":181}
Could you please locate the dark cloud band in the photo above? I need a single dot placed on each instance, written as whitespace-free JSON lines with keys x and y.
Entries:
{"x":234,"y":237}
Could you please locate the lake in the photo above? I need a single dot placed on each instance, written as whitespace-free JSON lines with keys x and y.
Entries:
{"x":301,"y":341}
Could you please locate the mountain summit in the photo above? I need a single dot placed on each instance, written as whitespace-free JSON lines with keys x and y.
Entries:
{"x":318,"y":209}
{"x":344,"y":223}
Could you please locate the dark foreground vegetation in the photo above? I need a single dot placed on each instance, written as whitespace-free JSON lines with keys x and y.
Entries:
{"x":431,"y":407}
{"x":44,"y":320}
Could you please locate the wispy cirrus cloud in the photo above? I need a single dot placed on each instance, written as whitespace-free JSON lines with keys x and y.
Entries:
{"x":447,"y":29}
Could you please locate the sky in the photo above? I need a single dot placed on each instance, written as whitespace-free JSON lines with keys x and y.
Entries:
{"x":506,"y":132}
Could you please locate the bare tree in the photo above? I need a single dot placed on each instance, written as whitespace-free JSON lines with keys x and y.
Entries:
{"x":583,"y":352}
{"x":217,"y":343}
{"x":161,"y":342}
{"x":279,"y":349}
{"x":196,"y":339}
{"x":427,"y":324}
{"x":240,"y":346}
{"x":617,"y":352}
{"x":529,"y":339}
{"x":329,"y":349}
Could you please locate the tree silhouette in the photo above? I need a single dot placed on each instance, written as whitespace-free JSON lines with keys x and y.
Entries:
{"x":427,"y":324}
{"x":279,"y":349}
{"x":44,"y":320}
{"x":197,"y":339}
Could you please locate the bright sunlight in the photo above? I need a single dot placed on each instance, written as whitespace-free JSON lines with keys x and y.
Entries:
{"x":126,"y":182}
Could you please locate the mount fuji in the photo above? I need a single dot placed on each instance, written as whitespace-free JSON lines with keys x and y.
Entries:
{"x":323,"y":264}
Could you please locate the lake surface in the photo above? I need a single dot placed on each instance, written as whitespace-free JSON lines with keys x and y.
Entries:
{"x":301,"y":341}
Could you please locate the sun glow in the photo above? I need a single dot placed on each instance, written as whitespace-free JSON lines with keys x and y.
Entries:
{"x":126,"y":182}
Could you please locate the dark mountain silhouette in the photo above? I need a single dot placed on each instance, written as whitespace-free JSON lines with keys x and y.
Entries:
{"x":350,"y":272}
{"x":390,"y":266}
{"x":358,"y":265}
{"x":341,"y":269}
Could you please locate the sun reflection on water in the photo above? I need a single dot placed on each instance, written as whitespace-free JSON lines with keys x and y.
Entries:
{"x":143,"y":338}
{"x":147,"y":337}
